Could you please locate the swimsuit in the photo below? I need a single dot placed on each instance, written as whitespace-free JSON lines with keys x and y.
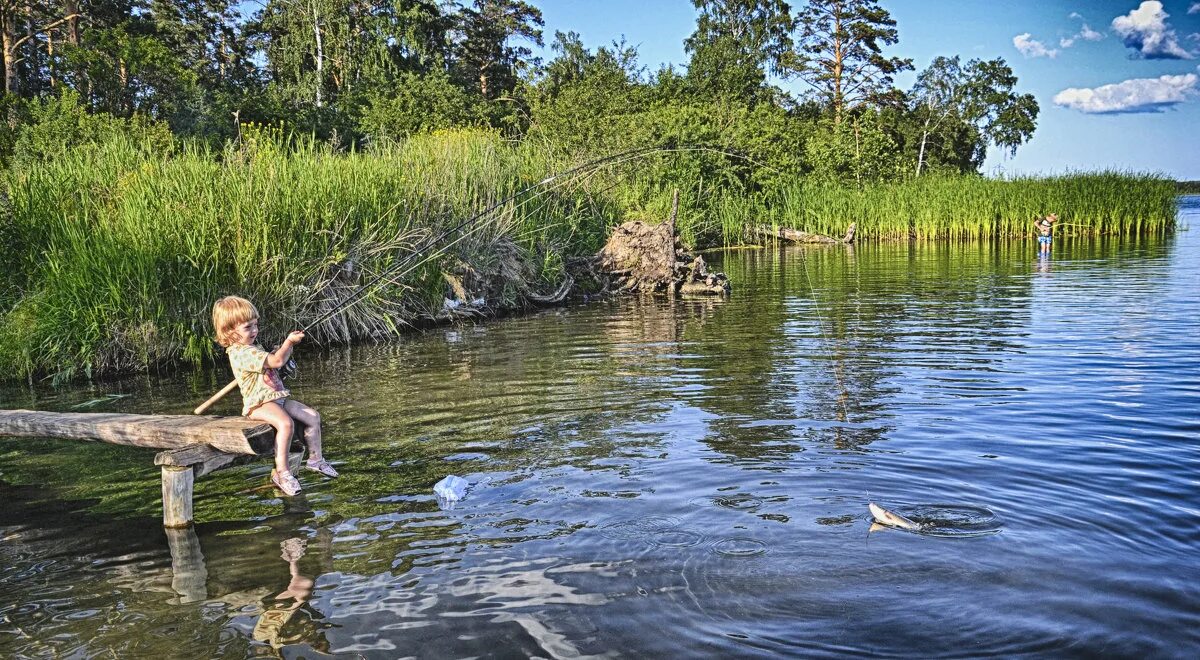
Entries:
{"x":1043,"y":240}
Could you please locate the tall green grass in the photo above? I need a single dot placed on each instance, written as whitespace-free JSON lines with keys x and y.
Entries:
{"x":122,"y":251}
{"x":114,"y":254}
{"x":966,"y":207}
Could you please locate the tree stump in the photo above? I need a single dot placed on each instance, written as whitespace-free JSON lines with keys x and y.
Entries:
{"x":648,"y":258}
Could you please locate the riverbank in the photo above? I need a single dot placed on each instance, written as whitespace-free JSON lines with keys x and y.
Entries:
{"x":114,"y":253}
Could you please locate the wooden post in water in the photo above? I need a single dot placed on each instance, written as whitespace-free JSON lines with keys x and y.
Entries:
{"x":177,"y":485}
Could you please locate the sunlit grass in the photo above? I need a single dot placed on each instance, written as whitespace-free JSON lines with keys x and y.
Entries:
{"x":1104,"y":203}
{"x":122,"y":252}
{"x":114,"y":254}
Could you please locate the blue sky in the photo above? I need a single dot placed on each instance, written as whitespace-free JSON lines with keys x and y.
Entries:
{"x":1114,"y":109}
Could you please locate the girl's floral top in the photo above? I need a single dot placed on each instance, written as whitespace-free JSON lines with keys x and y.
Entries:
{"x":257,"y":383}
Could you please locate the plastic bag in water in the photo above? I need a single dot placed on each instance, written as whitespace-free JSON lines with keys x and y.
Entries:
{"x":450,"y":490}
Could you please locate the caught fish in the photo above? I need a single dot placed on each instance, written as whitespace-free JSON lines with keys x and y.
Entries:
{"x":885,"y":517}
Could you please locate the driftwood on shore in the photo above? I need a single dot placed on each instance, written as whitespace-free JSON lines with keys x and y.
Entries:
{"x":797,"y":236}
{"x":647,"y":258}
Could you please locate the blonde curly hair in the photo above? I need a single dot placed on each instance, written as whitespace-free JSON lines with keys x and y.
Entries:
{"x":228,"y":313}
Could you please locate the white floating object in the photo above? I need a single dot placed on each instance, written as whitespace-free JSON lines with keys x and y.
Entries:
{"x":450,"y":490}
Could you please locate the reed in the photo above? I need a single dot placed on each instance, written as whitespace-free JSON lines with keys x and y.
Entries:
{"x":123,"y":251}
{"x":964,"y":207}
{"x":114,"y":254}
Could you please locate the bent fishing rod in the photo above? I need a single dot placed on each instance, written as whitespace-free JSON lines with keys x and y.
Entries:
{"x":393,"y":271}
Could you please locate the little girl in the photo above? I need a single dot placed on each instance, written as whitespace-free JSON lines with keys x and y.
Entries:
{"x":264,"y":398}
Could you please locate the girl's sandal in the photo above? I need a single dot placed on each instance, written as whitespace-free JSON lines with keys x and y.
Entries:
{"x":322,"y":466}
{"x":286,"y":482}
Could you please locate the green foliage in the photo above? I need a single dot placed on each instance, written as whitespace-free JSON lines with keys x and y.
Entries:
{"x":485,"y":58}
{"x":57,"y":125}
{"x":839,"y":52}
{"x":969,"y":207}
{"x":164,"y":153}
{"x":735,"y":45}
{"x":123,"y":277}
{"x":959,"y":110}
{"x":417,"y":104}
{"x":585,"y":103}
{"x":858,"y":149}
{"x":14,"y":115}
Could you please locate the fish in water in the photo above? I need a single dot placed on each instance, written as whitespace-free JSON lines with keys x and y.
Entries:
{"x":885,"y":517}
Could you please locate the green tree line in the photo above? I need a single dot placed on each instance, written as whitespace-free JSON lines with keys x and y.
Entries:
{"x":356,"y":73}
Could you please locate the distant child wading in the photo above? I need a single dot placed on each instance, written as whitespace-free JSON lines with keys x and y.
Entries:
{"x":264,"y":398}
{"x":1045,"y":226}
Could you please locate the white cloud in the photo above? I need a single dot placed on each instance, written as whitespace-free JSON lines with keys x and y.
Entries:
{"x":1137,"y":95}
{"x":1086,"y":33}
{"x":1031,"y":47}
{"x":1195,"y":8}
{"x":1145,"y":30}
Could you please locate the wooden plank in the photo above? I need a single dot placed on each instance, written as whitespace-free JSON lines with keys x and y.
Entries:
{"x":235,"y":435}
{"x":177,"y":496}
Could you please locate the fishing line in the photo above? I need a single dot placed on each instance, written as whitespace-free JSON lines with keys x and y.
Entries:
{"x":837,"y":369}
{"x":395,"y":273}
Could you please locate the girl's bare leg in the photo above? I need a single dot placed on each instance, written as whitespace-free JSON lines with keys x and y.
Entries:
{"x":275,"y":415}
{"x":311,"y":419}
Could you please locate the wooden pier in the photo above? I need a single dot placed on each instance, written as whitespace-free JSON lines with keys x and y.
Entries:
{"x":194,"y":445}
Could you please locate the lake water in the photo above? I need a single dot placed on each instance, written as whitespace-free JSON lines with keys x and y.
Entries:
{"x":680,"y":479}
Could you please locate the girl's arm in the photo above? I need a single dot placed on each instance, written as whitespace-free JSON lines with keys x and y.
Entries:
{"x":280,"y":356}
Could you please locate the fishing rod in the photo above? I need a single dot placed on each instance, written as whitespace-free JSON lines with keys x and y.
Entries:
{"x":393,"y":271}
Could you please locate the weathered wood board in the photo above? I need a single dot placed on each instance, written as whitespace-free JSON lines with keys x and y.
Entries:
{"x":234,"y":435}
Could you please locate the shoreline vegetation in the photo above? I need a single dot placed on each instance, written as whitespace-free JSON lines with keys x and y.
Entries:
{"x":116,"y":252}
{"x":156,"y":156}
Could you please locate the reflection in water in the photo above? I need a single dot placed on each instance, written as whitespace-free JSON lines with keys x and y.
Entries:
{"x":666,"y":478}
{"x":290,"y":608}
{"x":189,"y":576}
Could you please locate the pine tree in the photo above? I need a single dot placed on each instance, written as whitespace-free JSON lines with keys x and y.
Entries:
{"x":839,"y":52}
{"x":483,"y":55}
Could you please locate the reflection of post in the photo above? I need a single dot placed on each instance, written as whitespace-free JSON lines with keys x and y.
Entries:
{"x":189,"y":576}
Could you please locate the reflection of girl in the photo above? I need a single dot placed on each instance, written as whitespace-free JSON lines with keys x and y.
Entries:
{"x":270,"y":625}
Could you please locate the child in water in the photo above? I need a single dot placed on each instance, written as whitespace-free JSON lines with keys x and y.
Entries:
{"x":264,"y":398}
{"x":1045,"y":226}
